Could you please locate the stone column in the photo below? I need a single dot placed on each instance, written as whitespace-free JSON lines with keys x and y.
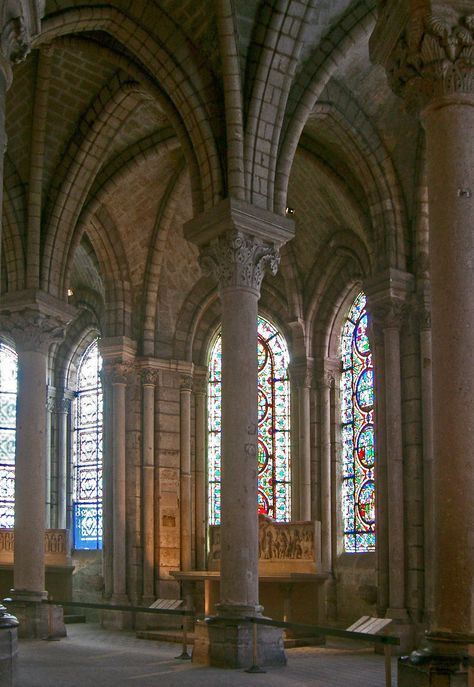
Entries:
{"x":119,"y":374}
{"x":200,"y":477}
{"x":149,"y":380}
{"x":63,"y":409}
{"x":386,"y":295}
{"x":301,"y":376}
{"x":326,"y":391}
{"x":428,"y":56}
{"x":238,"y":241}
{"x":34,"y":322}
{"x":50,"y":475}
{"x":185,"y":472}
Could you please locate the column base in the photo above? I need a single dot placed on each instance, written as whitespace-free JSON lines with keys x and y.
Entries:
{"x":444,"y":662}
{"x":37,"y":620}
{"x":117,"y":620}
{"x":228,"y":643}
{"x":403,"y":628}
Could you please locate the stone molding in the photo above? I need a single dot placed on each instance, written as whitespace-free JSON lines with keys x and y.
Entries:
{"x":32,"y":330}
{"x":432,"y":57}
{"x":239,"y":260}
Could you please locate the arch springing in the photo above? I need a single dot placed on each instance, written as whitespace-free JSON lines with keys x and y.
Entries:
{"x":274,"y":465}
{"x":358,"y":438}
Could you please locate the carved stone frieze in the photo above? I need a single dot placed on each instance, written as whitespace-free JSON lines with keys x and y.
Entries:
{"x":239,"y":260}
{"x":433,"y":57}
{"x":32,"y":330}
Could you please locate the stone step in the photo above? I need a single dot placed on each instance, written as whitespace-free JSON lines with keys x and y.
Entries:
{"x":74,"y":618}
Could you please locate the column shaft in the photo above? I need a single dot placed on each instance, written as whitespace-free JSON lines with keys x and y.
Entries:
{"x":185,"y":475}
{"x":449,"y":124}
{"x":239,"y":522}
{"x":118,"y":449}
{"x":200,"y":479}
{"x":326,"y":461}
{"x":305,"y":452}
{"x":61,"y":506}
{"x":393,"y":423}
{"x":30,"y":503}
{"x":148,"y":485}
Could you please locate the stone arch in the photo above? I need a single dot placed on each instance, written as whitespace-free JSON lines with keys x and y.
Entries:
{"x":187,"y":85}
{"x":310,"y":84}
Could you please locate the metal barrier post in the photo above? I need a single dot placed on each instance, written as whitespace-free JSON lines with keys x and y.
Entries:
{"x":184,"y":656}
{"x":254,"y":668}
{"x":388,"y":665}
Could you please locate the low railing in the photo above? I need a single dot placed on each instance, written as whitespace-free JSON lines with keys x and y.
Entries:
{"x":305,"y":630}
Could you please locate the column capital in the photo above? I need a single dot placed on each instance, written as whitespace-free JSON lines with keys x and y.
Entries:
{"x":117,"y":372}
{"x":200,"y":384}
{"x":32,"y":330}
{"x":149,"y":376}
{"x":238,"y":242}
{"x":387,"y":296}
{"x":186,"y":383}
{"x":301,"y":373}
{"x":426,"y":47}
{"x":20,"y":20}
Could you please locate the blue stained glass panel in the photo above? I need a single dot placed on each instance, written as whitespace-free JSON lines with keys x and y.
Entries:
{"x":8,"y":395}
{"x":87,"y":500}
{"x":358,"y":439}
{"x":274,"y":469}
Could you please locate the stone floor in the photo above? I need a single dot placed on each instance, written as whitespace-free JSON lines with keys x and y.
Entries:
{"x":93,"y":657}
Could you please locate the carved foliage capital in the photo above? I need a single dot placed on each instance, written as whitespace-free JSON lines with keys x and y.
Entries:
{"x":149,"y":376}
{"x":389,"y":315}
{"x":117,"y":373}
{"x":237,"y":259}
{"x":200,"y":385}
{"x":434,"y":56}
{"x":32,"y":330}
{"x":186,"y":383}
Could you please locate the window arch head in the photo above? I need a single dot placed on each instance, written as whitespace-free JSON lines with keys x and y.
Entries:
{"x":358,"y":438}
{"x":87,"y":468}
{"x":8,"y":396}
{"x":274,"y":466}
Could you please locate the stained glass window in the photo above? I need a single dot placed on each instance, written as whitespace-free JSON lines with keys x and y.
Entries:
{"x":358,"y":440}
{"x":87,"y":502}
{"x":274,"y":488}
{"x":8,"y":392}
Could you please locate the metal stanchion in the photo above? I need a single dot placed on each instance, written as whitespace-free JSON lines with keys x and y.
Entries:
{"x":254,"y":668}
{"x":388,"y":664}
{"x":184,"y":656}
